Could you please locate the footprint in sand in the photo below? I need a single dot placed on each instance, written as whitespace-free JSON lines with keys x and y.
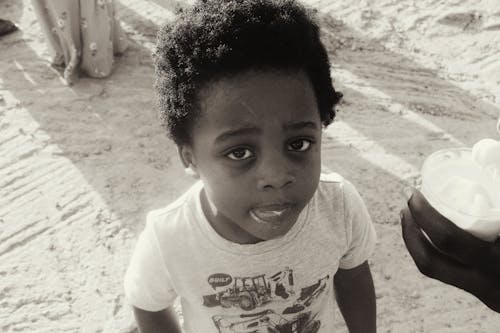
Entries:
{"x":467,"y":21}
{"x":492,"y":27}
{"x":470,"y":21}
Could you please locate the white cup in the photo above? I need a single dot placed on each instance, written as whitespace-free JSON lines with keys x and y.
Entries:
{"x":463,"y":191}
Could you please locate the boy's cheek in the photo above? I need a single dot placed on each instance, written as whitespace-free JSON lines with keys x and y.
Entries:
{"x":229,"y":197}
{"x":236,"y":170}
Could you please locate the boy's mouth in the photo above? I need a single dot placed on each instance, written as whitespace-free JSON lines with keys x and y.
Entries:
{"x":270,"y":214}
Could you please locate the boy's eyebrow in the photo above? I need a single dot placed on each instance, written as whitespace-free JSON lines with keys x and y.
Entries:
{"x":300,"y":125}
{"x":236,"y":132}
{"x":254,"y":130}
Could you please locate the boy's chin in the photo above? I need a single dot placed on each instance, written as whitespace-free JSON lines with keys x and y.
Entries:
{"x":265,"y":233}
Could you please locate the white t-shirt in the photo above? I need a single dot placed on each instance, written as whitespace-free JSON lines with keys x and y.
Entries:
{"x":285,"y":284}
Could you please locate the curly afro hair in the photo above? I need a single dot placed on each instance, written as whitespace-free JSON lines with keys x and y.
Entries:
{"x":217,"y":38}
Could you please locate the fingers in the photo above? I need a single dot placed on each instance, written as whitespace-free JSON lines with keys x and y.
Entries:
{"x":449,"y":238}
{"x":428,"y":259}
{"x":418,"y":246}
{"x":434,"y":264}
{"x":494,"y":262}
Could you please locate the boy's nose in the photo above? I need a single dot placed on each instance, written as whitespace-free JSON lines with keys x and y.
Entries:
{"x":274,"y":175}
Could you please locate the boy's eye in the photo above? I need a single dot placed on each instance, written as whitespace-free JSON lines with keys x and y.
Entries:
{"x":299,"y":145}
{"x":239,"y":154}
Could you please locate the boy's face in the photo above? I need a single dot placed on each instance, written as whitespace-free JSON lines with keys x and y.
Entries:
{"x":256,"y":147}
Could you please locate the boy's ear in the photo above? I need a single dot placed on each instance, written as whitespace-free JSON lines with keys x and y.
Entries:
{"x":187,"y":156}
{"x":188,"y":160}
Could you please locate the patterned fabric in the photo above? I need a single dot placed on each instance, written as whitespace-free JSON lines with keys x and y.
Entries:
{"x":83,"y":34}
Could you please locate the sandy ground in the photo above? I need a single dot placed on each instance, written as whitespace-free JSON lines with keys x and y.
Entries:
{"x":80,"y":166}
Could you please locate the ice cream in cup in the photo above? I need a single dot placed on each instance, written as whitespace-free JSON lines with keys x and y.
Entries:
{"x":463,"y":184}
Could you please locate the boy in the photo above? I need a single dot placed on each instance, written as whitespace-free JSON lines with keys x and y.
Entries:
{"x":260,"y":242}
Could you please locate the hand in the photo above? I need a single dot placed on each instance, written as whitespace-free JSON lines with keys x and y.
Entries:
{"x":454,"y":257}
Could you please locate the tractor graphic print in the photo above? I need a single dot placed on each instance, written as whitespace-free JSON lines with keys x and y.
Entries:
{"x":284,"y":312}
{"x":267,"y":321}
{"x":247,"y":293}
{"x":308,"y":295}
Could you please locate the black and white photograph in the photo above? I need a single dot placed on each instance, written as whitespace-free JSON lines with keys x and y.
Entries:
{"x":249,"y":166}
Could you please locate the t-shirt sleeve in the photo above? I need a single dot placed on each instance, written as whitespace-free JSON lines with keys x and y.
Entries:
{"x":147,"y":283}
{"x":360,"y":233}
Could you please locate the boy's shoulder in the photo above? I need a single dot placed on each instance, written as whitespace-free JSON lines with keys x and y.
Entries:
{"x":331,"y":177}
{"x":175,"y":207}
{"x":330,"y":187}
{"x":333,"y":185}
